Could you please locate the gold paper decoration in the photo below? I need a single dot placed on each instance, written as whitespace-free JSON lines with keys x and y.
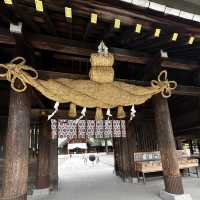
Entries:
{"x":138,"y":28}
{"x":117,"y":23}
{"x":191,"y":40}
{"x":39,"y":6}
{"x":8,"y":2}
{"x":93,"y":18}
{"x":68,"y":12}
{"x":157,"y":32}
{"x":174,"y":37}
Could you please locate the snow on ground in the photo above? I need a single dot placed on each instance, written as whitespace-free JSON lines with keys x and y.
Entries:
{"x":78,"y":181}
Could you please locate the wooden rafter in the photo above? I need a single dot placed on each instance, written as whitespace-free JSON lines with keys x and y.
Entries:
{"x":60,"y":45}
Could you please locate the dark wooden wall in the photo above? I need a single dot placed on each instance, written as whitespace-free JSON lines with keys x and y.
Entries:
{"x":146,"y":138}
{"x":3,"y":128}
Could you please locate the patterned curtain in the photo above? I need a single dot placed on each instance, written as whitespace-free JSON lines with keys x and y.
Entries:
{"x":86,"y":129}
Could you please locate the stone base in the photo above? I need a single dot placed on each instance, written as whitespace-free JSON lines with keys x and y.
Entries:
{"x":168,"y":196}
{"x":41,"y":192}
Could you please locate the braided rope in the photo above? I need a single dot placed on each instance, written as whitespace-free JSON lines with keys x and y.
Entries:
{"x":17,"y":69}
{"x":165,"y":86}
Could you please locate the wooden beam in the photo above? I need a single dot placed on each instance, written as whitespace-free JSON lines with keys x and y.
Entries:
{"x":28,"y":21}
{"x":177,"y":65}
{"x":187,"y":90}
{"x":49,"y":24}
{"x":59,"y":45}
{"x":70,"y":57}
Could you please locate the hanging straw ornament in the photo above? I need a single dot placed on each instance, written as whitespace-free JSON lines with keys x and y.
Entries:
{"x":120,"y":112}
{"x":99,"y":114}
{"x":101,"y":65}
{"x":72,"y":110}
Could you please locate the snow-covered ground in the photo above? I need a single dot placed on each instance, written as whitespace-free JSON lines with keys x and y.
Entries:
{"x":80,"y":181}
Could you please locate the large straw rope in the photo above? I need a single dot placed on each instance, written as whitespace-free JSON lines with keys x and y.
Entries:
{"x":85,"y":93}
{"x":16,"y":69}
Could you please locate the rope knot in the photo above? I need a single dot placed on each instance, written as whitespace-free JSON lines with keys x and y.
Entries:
{"x":16,"y":69}
{"x":164,"y":84}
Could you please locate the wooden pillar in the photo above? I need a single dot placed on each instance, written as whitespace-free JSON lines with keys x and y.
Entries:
{"x":115,"y":150}
{"x":3,"y":129}
{"x":120,"y":157}
{"x":126,"y":161}
{"x":117,"y":156}
{"x":106,"y":146}
{"x":15,"y":176}
{"x":53,"y":165}
{"x":132,"y":143}
{"x":198,"y":144}
{"x":179,"y":144}
{"x":42,"y":180}
{"x":191,"y":147}
{"x":171,"y":172}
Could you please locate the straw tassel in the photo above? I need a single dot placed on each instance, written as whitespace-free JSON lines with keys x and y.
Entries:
{"x":72,"y":111}
{"x":120,"y":112}
{"x":99,"y":114}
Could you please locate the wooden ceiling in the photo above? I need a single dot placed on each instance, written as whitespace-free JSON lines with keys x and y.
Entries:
{"x":58,"y":41}
{"x":58,"y":44}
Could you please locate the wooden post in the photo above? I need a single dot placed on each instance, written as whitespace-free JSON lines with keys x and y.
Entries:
{"x":53,"y":165}
{"x":126,"y":161}
{"x":179,"y":144}
{"x":106,"y":146}
{"x":191,"y":147}
{"x":3,"y":129}
{"x":43,"y":154}
{"x":15,"y":176}
{"x":132,"y":143}
{"x":115,"y":151}
{"x":171,"y":172}
{"x":120,"y":157}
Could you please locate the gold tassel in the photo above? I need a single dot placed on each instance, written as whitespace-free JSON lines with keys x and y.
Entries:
{"x":120,"y":112}
{"x":72,"y":111}
{"x":99,"y":114}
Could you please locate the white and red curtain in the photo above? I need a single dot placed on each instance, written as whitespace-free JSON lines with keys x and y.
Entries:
{"x":86,"y":129}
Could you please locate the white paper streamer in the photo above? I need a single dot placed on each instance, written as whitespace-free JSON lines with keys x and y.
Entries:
{"x":108,"y":113}
{"x":133,"y":111}
{"x":163,"y":54}
{"x":83,"y":112}
{"x":55,"y":110}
